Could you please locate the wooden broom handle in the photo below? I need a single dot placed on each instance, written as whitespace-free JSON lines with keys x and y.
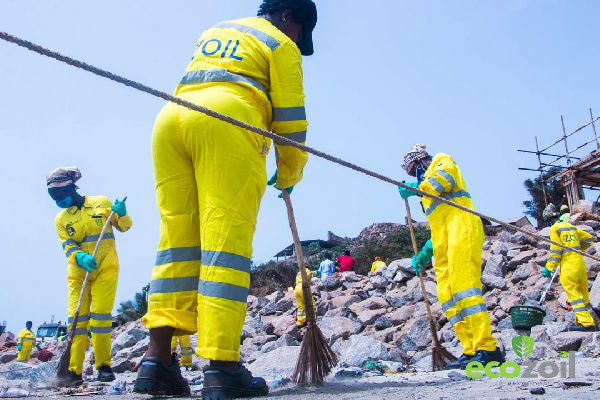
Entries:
{"x":416,"y":251}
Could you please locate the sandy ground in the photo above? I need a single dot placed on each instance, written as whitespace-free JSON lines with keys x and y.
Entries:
{"x":432,"y":385}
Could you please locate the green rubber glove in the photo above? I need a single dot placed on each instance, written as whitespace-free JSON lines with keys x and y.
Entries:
{"x":546,"y":273}
{"x":273,"y":181}
{"x":19,"y":346}
{"x":38,"y":347}
{"x":405,"y":193}
{"x":424,"y":256}
{"x":119,"y":208}
{"x":318,"y":273}
{"x":85,"y":261}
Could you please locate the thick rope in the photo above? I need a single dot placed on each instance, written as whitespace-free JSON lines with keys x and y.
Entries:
{"x":281,"y":140}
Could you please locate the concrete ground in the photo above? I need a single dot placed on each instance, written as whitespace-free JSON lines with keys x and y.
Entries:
{"x":427,"y":385}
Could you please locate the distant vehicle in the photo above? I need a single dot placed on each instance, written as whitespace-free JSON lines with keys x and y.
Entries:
{"x":50,"y":332}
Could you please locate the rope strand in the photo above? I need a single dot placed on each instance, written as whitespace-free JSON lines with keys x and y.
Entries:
{"x":281,"y":140}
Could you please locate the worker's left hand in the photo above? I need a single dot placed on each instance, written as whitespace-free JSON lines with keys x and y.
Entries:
{"x":273,"y":181}
{"x":38,"y":347}
{"x":19,"y":346}
{"x":546,"y":273}
{"x":119,"y":208}
{"x":405,"y":193}
{"x":318,"y":273}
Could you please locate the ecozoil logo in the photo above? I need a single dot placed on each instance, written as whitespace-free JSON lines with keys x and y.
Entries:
{"x":523,"y":346}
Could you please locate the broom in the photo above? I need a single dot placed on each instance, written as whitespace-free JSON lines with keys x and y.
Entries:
{"x":65,"y":358}
{"x":316,"y":359}
{"x":439,"y":355}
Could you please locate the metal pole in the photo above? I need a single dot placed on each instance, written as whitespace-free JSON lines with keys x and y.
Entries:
{"x":594,"y":128}
{"x":537,"y":148}
{"x":572,"y":196}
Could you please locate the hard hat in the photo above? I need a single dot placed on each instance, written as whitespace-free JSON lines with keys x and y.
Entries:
{"x":377,"y":258}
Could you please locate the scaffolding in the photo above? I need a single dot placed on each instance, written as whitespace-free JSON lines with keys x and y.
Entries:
{"x":575,"y":173}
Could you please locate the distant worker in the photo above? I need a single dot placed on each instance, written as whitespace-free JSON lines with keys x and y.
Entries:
{"x":565,"y":213}
{"x":573,"y":272}
{"x":457,"y":243}
{"x":185,"y":346}
{"x":78,"y":226}
{"x":377,"y":264}
{"x":210,"y":178}
{"x":327,"y":267}
{"x":25,"y":343}
{"x":299,"y":295}
{"x":346,"y":262}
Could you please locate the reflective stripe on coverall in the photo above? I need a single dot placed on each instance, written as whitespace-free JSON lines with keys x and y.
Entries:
{"x":210,"y":178}
{"x":27,"y":340}
{"x":457,"y":238}
{"x":78,"y":230}
{"x":377,"y":265}
{"x":573,"y":273}
{"x":299,"y":295}
{"x":185,"y":345}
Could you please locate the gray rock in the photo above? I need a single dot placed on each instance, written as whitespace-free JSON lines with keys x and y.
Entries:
{"x":595,"y":295}
{"x":284,"y":340}
{"x":344,"y":301}
{"x":336,"y":328}
{"x":519,"y":238}
{"x":523,"y":272}
{"x":340,"y":312}
{"x":257,"y":341}
{"x":505,"y":324}
{"x":275,"y":296}
{"x":554,"y":328}
{"x":542,"y":351}
{"x":127,"y":339}
{"x":496,"y":265}
{"x":362,"y":349}
{"x":285,"y":324}
{"x":379,"y":282}
{"x":351,"y":277}
{"x":522,"y":258}
{"x":7,"y":357}
{"x":499,"y":248}
{"x":120,"y":365}
{"x":568,"y":341}
{"x":591,"y":346}
{"x":383,"y":323}
{"x":368,"y":317}
{"x":402,"y":276}
{"x":269,"y":309}
{"x":404,"y":264}
{"x":592,"y":224}
{"x":539,"y":334}
{"x":331,"y":282}
{"x":401,"y":315}
{"x":545,"y":232}
{"x":280,"y":361}
{"x":416,"y":336}
{"x":390,"y":272}
{"x":493,"y":281}
{"x":371,"y":303}
{"x":260,"y":303}
{"x":284,"y":304}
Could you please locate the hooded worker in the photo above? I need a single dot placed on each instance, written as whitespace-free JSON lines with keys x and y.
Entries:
{"x":185,"y":346}
{"x":210,"y":178}
{"x":456,"y":243}
{"x":25,"y":343}
{"x":377,"y":264}
{"x":565,"y":213}
{"x":78,"y":226}
{"x":573,"y":272}
{"x":299,"y":296}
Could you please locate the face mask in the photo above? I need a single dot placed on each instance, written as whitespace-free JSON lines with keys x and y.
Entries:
{"x":420,"y":172}
{"x":65,"y":203}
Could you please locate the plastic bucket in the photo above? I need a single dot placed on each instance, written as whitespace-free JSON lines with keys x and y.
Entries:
{"x":526,"y":317}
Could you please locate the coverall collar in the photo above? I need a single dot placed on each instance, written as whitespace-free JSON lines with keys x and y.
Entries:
{"x":73,"y":209}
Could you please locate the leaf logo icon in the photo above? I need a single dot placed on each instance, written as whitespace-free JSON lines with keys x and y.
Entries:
{"x":523,"y":346}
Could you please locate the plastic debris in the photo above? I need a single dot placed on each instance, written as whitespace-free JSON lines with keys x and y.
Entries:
{"x":281,"y":380}
{"x":14,"y":393}
{"x":349,"y":373}
{"x":537,"y":390}
{"x":117,"y":387}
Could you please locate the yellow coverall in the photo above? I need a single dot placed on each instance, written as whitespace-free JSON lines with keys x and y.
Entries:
{"x":299,"y":295}
{"x":457,"y":238}
{"x":185,"y":345}
{"x":377,"y":265}
{"x":78,"y":230}
{"x":573,"y":273}
{"x":210,"y":178}
{"x":27,"y":340}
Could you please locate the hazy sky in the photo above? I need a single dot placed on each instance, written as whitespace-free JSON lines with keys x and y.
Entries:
{"x":477,"y":80}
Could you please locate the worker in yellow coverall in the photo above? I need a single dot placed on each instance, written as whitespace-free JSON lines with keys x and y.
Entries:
{"x":25,"y":343}
{"x":185,"y":346}
{"x":299,"y":295}
{"x":210,"y":178}
{"x":457,"y":239}
{"x":377,"y":264}
{"x":573,"y":272}
{"x":78,"y":226}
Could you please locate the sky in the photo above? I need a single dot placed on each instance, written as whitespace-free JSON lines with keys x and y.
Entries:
{"x":476,"y":80}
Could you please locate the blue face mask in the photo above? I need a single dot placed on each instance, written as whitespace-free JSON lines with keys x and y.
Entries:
{"x":420,"y":173}
{"x":65,"y":203}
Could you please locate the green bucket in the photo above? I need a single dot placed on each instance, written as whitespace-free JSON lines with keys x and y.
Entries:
{"x":526,"y":317}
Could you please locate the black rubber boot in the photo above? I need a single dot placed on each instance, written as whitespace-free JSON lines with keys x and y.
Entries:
{"x":106,"y":374}
{"x":220,"y":383}
{"x":581,"y":328}
{"x":72,"y":380}
{"x":485,"y":357}
{"x":458,"y":363}
{"x":155,"y":378}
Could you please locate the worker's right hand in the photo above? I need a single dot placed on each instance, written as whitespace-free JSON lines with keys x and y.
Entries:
{"x":273,"y":181}
{"x":546,"y":273}
{"x":406,"y":193}
{"x":19,"y":346}
{"x":85,"y":261}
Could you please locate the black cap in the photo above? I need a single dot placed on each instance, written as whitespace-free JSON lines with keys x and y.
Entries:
{"x":308,"y":25}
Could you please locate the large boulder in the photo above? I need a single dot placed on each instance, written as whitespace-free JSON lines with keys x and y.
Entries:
{"x":496,"y":265}
{"x":414,"y":336}
{"x":331,"y":282}
{"x":336,"y":327}
{"x":127,"y":339}
{"x":522,"y":273}
{"x":591,"y":346}
{"x":404,"y":264}
{"x":521,"y":258}
{"x":595,"y":295}
{"x":493,"y":281}
{"x":285,"y":324}
{"x":7,"y":357}
{"x":390,"y":271}
{"x":368,"y":317}
{"x":362,"y":349}
{"x":344,"y":301}
{"x":402,"y":314}
{"x":280,"y":361}
{"x":568,"y":341}
{"x":379,"y":282}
